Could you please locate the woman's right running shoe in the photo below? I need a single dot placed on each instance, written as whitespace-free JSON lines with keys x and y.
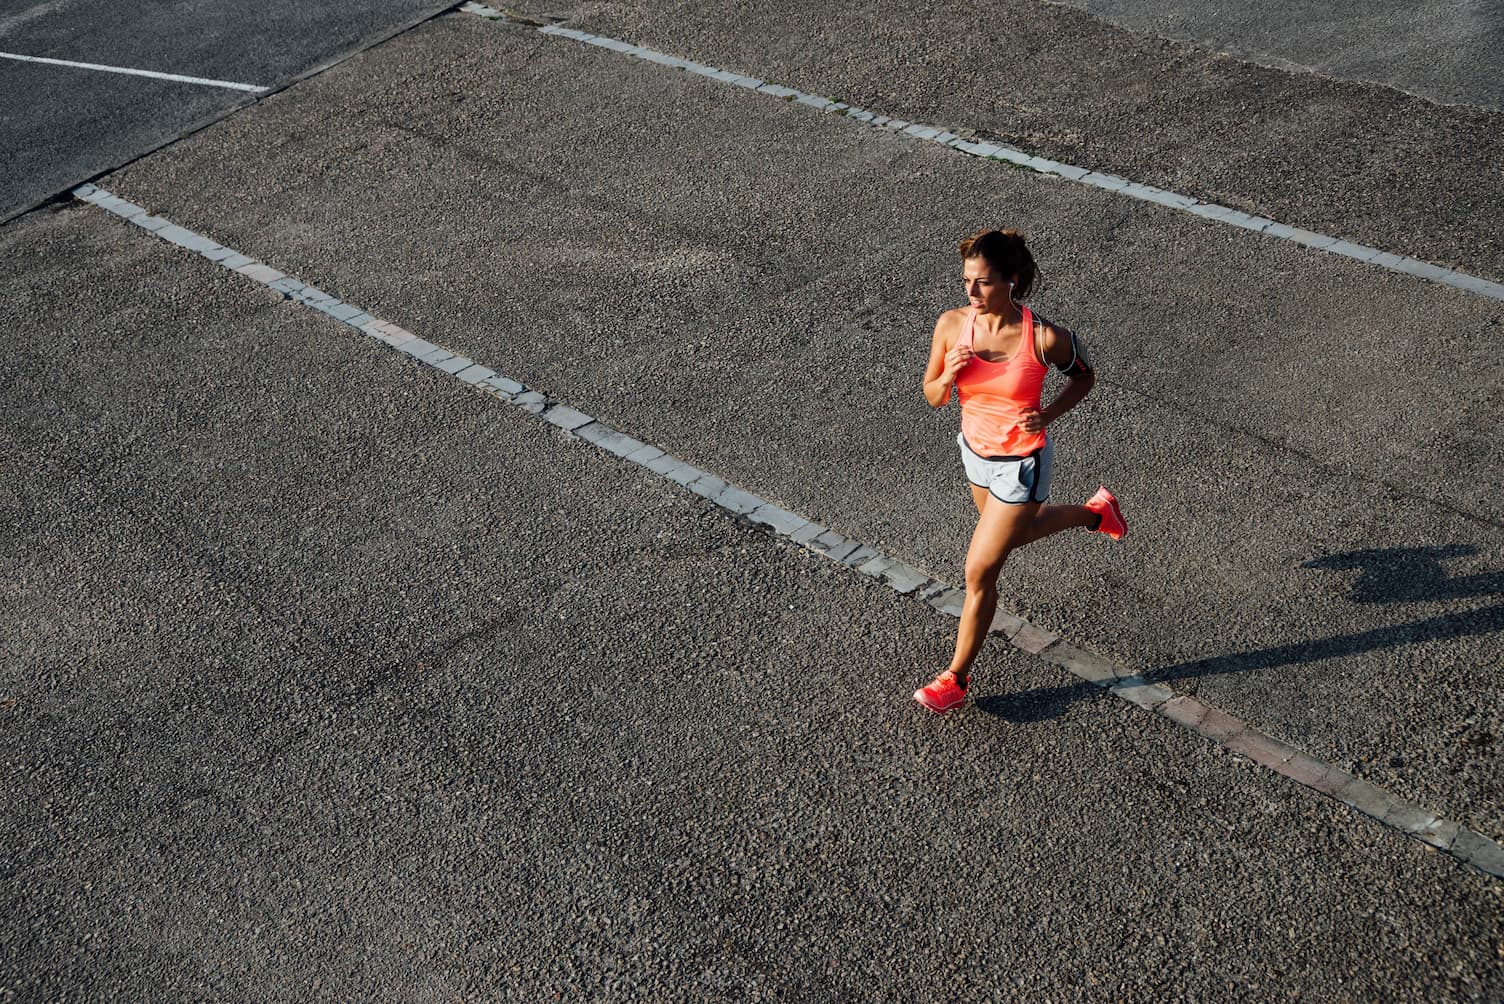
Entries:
{"x":1105,"y":505}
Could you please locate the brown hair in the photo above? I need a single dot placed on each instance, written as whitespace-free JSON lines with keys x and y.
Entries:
{"x":1005,"y":251}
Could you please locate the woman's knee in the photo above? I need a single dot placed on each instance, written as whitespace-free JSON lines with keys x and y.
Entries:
{"x":983,"y":575}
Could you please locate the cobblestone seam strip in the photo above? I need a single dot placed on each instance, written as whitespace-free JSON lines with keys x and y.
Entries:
{"x":1465,"y":845}
{"x":1020,"y":158}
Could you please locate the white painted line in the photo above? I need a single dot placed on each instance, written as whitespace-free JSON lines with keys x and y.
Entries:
{"x":175,"y":77}
{"x":992,"y":151}
{"x":1467,"y":846}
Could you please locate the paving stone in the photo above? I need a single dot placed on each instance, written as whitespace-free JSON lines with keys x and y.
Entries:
{"x":84,"y":191}
{"x":611,"y":441}
{"x":1441,"y":834}
{"x":1159,"y":196}
{"x":236,"y":260}
{"x":398,"y":337}
{"x":1424,"y":269}
{"x":174,"y":233}
{"x":707,"y":485}
{"x":344,"y":311}
{"x":358,"y":320}
{"x":1140,"y":692}
{"x":807,"y":533}
{"x":676,"y":470}
{"x":738,"y":500}
{"x":826,"y":541}
{"x":261,"y":273}
{"x":1033,"y":639}
{"x":1219,"y":726}
{"x":1310,"y":238}
{"x":286,"y":284}
{"x":841,"y":551}
{"x":531,"y":401}
{"x":504,"y":384}
{"x":416,"y":347}
{"x":1350,"y":250}
{"x":450,"y":364}
{"x":932,"y":588}
{"x":664,"y":464}
{"x":1387,"y":259}
{"x":1111,"y":182}
{"x":155,"y":223}
{"x":781,"y":520}
{"x":1005,"y":623}
{"x":1480,"y":852}
{"x":1211,"y":210}
{"x":949,"y":602}
{"x":643,"y":455}
{"x":475,"y":374}
{"x":1409,"y":817}
{"x":120,"y":207}
{"x":195,"y":242}
{"x":904,"y":579}
{"x":860,"y":555}
{"x":1304,"y":769}
{"x":217,"y":253}
{"x":1088,"y":666}
{"x":1368,"y":799}
{"x":567,"y":418}
{"x":1260,"y":748}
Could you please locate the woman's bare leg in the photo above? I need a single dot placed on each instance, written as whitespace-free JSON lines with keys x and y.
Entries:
{"x":1000,"y":529}
{"x":1050,"y":519}
{"x":1054,"y":518}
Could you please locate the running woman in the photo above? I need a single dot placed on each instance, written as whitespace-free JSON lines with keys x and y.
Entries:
{"x":995,"y":354}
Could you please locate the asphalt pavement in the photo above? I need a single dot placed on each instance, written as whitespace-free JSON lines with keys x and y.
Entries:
{"x":327,"y":676}
{"x":1446,"y":52}
{"x":369,"y":686}
{"x":763,"y":319}
{"x":1342,"y":157}
{"x":61,"y":125}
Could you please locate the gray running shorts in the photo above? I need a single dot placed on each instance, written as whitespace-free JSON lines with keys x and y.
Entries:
{"x":1015,"y":480}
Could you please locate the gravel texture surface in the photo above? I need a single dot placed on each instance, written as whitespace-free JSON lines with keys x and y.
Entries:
{"x":1313,"y":479}
{"x":330,"y":677}
{"x":1441,"y":50}
{"x":1356,"y":160}
{"x":61,"y":125}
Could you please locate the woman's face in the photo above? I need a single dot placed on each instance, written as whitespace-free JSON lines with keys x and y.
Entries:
{"x":988,"y":292}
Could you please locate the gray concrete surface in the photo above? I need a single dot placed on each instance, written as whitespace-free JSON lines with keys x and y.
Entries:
{"x":325,"y":677}
{"x":1359,"y":161}
{"x":331,"y":678}
{"x":718,"y":274}
{"x":61,"y":125}
{"x":1448,"y":52}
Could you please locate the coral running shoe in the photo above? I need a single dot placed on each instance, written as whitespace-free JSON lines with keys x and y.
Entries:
{"x":1105,"y":504}
{"x":943,"y":694}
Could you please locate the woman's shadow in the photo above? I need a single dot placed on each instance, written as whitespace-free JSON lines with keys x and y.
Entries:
{"x":1386,"y":575}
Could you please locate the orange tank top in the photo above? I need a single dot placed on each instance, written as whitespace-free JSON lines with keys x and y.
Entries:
{"x":993,"y":396}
